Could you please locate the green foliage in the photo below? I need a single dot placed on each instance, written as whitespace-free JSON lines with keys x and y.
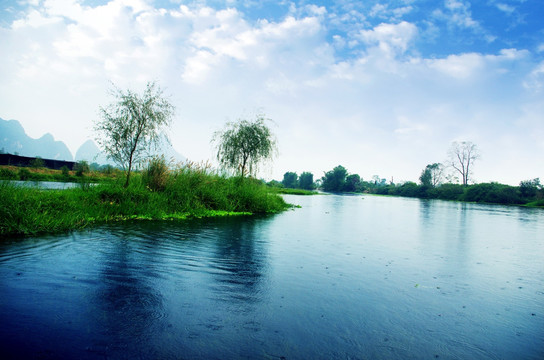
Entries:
{"x":306,"y":181}
{"x":131,"y":126}
{"x":530,"y":188}
{"x":274,"y":184}
{"x":65,"y":171}
{"x":290,"y":180}
{"x":295,"y":191}
{"x":432,"y":175}
{"x":334,"y":180}
{"x":155,"y":176}
{"x":353,"y":183}
{"x":409,"y":189}
{"x":7,"y":174}
{"x":244,"y":144}
{"x":25,"y":174}
{"x":81,"y":167}
{"x":190,"y":191}
{"x":37,"y":163}
{"x":493,"y":193}
{"x":450,"y":192}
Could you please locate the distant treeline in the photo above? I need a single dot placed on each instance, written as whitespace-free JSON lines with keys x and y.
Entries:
{"x":338,"y":180}
{"x":26,"y":161}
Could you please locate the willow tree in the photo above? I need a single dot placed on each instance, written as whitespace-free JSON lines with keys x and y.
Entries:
{"x":132,"y":126}
{"x":243,"y":145}
{"x":462,"y":157}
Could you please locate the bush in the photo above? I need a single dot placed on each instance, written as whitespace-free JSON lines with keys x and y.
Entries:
{"x":37,"y":163}
{"x":81,"y":167}
{"x":493,"y":193}
{"x":24,"y":174}
{"x":450,"y":191}
{"x":65,"y":171}
{"x":155,"y":176}
{"x":7,"y":174}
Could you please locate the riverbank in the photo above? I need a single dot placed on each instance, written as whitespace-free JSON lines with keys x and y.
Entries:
{"x":183,"y":194}
{"x":484,"y":193}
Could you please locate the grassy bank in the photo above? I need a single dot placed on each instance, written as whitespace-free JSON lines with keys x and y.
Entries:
{"x":176,"y":194}
{"x":487,"y":193}
{"x":9,"y":172}
{"x":289,"y":191}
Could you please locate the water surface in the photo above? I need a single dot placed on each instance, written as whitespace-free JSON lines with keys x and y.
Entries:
{"x":342,"y":277}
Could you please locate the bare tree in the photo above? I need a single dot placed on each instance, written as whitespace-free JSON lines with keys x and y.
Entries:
{"x":461,"y":157}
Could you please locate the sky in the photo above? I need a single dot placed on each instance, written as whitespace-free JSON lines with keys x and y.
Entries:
{"x":379,"y":87}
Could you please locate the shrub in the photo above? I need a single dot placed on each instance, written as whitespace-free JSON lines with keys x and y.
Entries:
{"x":7,"y":174}
{"x":65,"y":171}
{"x":37,"y":163}
{"x":24,"y":174}
{"x":81,"y":167}
{"x":155,"y":176}
{"x":450,"y":191}
{"x":493,"y":193}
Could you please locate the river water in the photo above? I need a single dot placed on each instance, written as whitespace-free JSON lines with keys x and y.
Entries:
{"x":343,"y":277}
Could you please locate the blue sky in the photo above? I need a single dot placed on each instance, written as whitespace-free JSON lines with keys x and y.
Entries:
{"x":380,"y":87}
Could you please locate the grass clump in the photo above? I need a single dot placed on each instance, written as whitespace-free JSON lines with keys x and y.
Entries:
{"x":185,"y":192}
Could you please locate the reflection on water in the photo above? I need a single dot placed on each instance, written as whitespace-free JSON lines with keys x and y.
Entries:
{"x":342,"y":277}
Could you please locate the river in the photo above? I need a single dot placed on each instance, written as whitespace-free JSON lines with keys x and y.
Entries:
{"x":342,"y":277}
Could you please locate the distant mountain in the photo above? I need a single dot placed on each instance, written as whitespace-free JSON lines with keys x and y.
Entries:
{"x":91,"y":153}
{"x":169,"y":152}
{"x":13,"y":139}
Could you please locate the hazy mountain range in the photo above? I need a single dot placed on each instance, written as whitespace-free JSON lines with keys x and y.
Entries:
{"x":14,"y":140}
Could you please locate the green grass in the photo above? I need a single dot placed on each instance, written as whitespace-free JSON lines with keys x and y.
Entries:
{"x":289,"y":191}
{"x":187,"y":193}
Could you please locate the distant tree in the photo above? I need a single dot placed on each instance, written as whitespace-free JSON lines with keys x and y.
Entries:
{"x":530,"y":188}
{"x":432,"y":175}
{"x":132,"y":124}
{"x":290,"y":180}
{"x":377,"y":181}
{"x":353,"y":183}
{"x":335,"y":179}
{"x":275,"y":183}
{"x":81,"y":167}
{"x":306,"y":181}
{"x":65,"y":171}
{"x":242,"y":145}
{"x":37,"y":162}
{"x":461,"y":157}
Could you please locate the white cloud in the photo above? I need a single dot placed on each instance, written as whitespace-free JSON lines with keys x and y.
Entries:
{"x":392,"y":39}
{"x":384,"y":110}
{"x":535,"y":80}
{"x":508,"y":9}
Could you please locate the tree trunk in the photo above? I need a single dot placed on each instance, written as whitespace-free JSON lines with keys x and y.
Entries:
{"x":128,"y":173}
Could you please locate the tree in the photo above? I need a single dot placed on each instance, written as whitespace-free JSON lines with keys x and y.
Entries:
{"x":335,"y":179}
{"x":37,"y":162}
{"x":353,"y":183}
{"x":530,"y":188}
{"x":461,"y":158}
{"x":242,"y":145}
{"x":81,"y":167}
{"x":306,"y":181}
{"x":132,"y":125}
{"x":290,"y":180}
{"x":432,"y":175}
